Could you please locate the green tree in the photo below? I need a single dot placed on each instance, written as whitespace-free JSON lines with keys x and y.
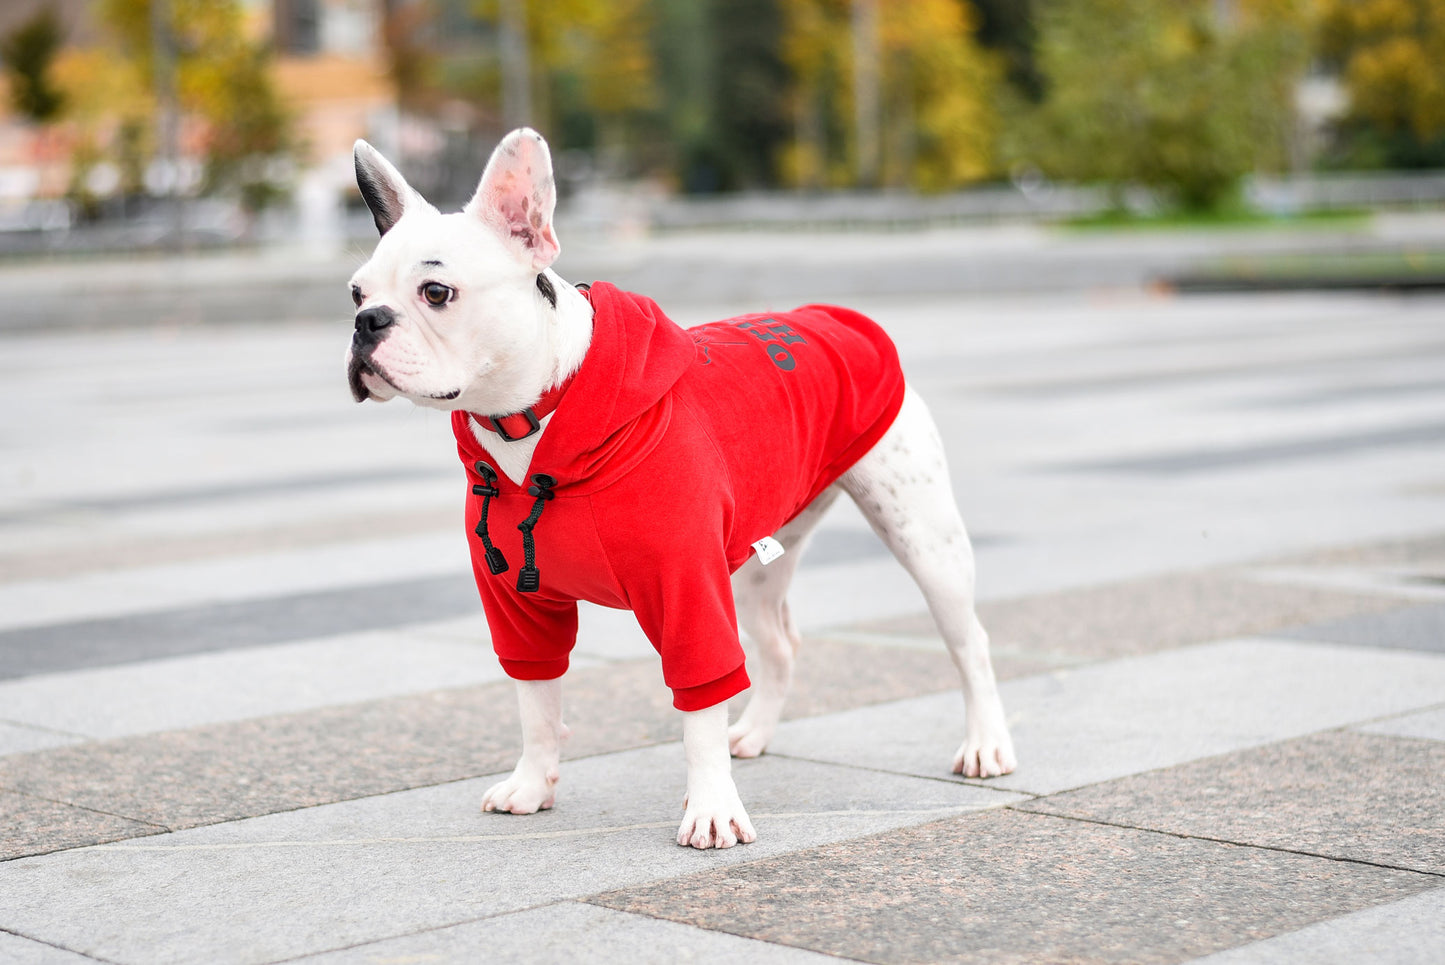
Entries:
{"x":593,"y":72}
{"x":1391,"y":56}
{"x":223,"y":78}
{"x":27,"y":54}
{"x":1165,"y":93}
{"x":937,"y":92}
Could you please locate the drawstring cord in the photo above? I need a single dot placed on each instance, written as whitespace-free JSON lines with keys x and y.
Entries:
{"x":528,"y":578}
{"x":496,"y":562}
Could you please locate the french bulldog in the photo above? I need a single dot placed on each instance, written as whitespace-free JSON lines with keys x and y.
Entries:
{"x":626,"y":451}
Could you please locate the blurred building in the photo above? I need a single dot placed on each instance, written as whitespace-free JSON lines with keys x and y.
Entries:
{"x":330,"y":70}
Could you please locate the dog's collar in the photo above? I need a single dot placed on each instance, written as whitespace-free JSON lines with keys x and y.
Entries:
{"x":519,"y":425}
{"x":528,"y":422}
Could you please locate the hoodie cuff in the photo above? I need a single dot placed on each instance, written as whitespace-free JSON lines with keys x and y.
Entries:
{"x":534,"y":669}
{"x":707,"y":695}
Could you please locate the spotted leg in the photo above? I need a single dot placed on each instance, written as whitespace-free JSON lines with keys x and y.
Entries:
{"x":902,"y":487}
{"x":760,"y":593}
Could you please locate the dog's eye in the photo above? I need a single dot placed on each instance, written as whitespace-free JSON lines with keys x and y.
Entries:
{"x":356,"y":296}
{"x":436,"y":294}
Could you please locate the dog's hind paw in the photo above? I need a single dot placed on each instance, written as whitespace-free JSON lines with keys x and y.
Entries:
{"x":527,"y":791}
{"x":745,"y":741}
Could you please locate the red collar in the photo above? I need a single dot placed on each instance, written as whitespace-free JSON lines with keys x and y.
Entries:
{"x":520,"y":425}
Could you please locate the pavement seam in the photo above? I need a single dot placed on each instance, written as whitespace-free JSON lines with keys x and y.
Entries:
{"x":939,"y":813}
{"x":538,"y":907}
{"x":1225,"y":841}
{"x":719,"y":931}
{"x":47,"y":730}
{"x":1430,"y":708}
{"x":41,"y":941}
{"x":951,"y":780}
{"x":160,"y":828}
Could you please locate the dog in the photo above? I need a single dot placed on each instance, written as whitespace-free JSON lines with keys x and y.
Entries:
{"x":651,"y":468}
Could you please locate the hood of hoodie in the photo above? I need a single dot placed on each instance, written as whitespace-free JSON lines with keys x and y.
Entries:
{"x":617,"y":407}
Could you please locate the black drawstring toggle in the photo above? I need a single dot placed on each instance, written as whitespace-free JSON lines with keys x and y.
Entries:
{"x":528,"y":578}
{"x":496,"y":562}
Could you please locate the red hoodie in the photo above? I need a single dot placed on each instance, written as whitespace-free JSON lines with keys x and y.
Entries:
{"x":671,"y":453}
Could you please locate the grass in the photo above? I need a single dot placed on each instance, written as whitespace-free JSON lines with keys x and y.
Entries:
{"x":1364,"y":266}
{"x":1222,"y":219}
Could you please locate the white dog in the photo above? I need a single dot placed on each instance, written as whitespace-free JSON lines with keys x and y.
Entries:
{"x":644,"y":465}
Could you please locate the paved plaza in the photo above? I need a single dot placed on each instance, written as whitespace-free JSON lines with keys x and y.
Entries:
{"x":248,"y":706}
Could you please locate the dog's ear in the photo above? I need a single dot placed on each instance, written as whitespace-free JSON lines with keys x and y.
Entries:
{"x":382,"y":187}
{"x":518,"y":194}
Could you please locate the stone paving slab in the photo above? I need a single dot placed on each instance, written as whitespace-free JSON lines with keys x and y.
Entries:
{"x":231,"y":580}
{"x":1412,"y":551}
{"x":1009,"y":886}
{"x":1157,"y":613}
{"x":1409,"y":628}
{"x":16,"y":738}
{"x":1410,"y":931}
{"x":1090,"y":724}
{"x":1358,"y":797}
{"x":15,"y":950}
{"x":31,"y":825}
{"x":238,"y":769}
{"x":568,"y":933}
{"x":327,"y":877}
{"x":200,"y":689}
{"x":1428,"y":725}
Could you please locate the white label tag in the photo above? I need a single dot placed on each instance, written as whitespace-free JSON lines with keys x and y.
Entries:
{"x":768,"y":549}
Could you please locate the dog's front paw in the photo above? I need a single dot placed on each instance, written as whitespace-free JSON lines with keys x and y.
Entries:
{"x":987,"y":751}
{"x":714,"y":817}
{"x":529,"y":790}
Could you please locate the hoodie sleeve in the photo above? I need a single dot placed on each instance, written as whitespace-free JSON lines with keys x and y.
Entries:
{"x":533,"y":637}
{"x":668,"y":553}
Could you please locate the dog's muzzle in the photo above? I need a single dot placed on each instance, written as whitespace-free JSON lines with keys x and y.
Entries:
{"x":372,"y":326}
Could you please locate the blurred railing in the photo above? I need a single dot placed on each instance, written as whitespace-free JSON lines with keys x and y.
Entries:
{"x":52,"y":227}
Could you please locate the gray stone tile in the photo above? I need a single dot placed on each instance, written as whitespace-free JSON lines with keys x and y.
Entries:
{"x":1150,"y":614}
{"x":328,"y":877}
{"x":221,"y":772}
{"x":1009,"y":886}
{"x":1321,"y":447}
{"x":571,"y":932}
{"x":1362,"y":797}
{"x":18,"y":739}
{"x":1410,"y":931}
{"x":1096,"y":723}
{"x":1416,"y":551}
{"x":30,"y":825}
{"x":1407,"y":628}
{"x":1428,"y":725}
{"x":205,"y":628}
{"x":15,"y":950}
{"x":243,"y":768}
{"x":200,"y":689}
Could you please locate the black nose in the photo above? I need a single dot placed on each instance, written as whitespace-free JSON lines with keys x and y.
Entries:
{"x":372,"y":320}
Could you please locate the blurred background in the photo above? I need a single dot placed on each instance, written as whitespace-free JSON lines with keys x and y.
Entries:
{"x":127,"y":124}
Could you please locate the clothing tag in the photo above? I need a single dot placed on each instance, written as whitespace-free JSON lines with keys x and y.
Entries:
{"x":768,"y":549}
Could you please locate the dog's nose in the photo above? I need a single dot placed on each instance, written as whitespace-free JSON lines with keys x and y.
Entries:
{"x":372,"y":320}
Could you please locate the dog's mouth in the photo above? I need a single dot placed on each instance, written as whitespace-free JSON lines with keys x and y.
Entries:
{"x":361,"y":365}
{"x":354,"y":370}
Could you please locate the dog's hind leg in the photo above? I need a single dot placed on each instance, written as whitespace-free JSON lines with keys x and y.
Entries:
{"x":903,"y":489}
{"x":760,"y":593}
